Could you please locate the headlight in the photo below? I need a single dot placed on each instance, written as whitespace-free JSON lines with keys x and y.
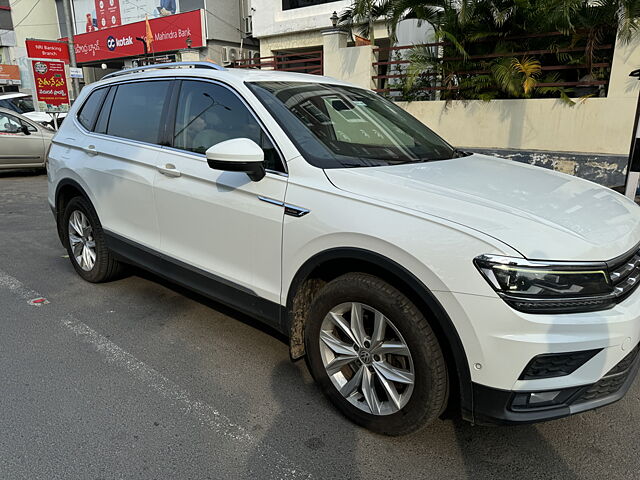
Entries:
{"x":548,"y":287}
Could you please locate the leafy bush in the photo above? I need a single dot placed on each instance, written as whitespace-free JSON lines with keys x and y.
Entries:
{"x":509,"y":48}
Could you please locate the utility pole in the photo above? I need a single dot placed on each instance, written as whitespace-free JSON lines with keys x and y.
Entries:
{"x":75,"y":84}
{"x":633,"y":167}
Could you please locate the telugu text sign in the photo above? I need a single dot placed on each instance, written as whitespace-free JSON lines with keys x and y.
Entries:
{"x":50,"y":82}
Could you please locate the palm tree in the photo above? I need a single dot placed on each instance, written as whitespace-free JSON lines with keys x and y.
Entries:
{"x":362,"y":15}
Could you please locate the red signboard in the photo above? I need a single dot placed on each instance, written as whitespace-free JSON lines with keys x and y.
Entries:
{"x":50,"y":86}
{"x":108,"y":13}
{"x":47,"y":49}
{"x":169,"y":33}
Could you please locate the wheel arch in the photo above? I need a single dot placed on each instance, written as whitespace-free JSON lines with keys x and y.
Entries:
{"x":66,"y":190}
{"x":331,"y":263}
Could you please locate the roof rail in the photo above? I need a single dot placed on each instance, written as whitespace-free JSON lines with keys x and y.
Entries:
{"x":158,"y":66}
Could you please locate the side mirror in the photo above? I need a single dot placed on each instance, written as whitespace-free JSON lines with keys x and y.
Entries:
{"x":238,"y":155}
{"x":24,"y":129}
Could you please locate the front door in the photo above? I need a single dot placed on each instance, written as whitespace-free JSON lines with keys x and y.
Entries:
{"x":221,"y":223}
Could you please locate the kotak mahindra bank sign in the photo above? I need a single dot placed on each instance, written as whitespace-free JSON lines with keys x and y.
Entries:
{"x":169,"y":33}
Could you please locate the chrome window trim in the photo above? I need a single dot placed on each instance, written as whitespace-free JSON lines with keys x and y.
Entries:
{"x":202,"y":156}
{"x":284,"y":173}
{"x":105,"y":136}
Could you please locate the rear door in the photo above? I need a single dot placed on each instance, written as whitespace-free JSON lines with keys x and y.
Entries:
{"x":120,"y":149}
{"x":16,"y":147}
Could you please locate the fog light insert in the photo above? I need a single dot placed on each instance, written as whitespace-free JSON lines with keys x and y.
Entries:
{"x":539,"y":400}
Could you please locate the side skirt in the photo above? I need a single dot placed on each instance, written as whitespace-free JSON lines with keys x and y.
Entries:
{"x":200,"y":281}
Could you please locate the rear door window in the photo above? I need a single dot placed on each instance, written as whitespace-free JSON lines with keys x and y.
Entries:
{"x":89,"y":111}
{"x":136,"y":112}
{"x":103,"y":117}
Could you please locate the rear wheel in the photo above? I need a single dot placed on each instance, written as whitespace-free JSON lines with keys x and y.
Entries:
{"x":375,"y":356}
{"x":84,"y":240}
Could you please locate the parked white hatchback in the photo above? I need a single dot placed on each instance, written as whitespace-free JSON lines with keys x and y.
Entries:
{"x":22,"y":103}
{"x":410,"y":275}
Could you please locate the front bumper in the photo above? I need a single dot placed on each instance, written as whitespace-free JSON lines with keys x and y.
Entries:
{"x":500,"y":343}
{"x":493,"y":406}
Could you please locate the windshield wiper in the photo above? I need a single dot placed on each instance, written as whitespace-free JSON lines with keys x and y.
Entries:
{"x":459,"y":153}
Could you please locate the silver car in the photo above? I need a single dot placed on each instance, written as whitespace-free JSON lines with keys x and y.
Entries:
{"x":23,"y":142}
{"x":22,"y":103}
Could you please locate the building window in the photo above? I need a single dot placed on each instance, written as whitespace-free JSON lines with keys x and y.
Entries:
{"x":291,"y":4}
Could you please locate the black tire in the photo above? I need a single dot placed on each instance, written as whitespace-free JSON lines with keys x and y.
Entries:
{"x":431,"y":383}
{"x":106,"y":267}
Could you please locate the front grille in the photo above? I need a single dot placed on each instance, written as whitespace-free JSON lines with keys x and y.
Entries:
{"x":612,"y":381}
{"x":603,"y":388}
{"x":625,"y":275}
{"x":556,"y":364}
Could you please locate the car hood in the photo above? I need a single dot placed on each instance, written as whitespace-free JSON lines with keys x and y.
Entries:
{"x":541,"y":213}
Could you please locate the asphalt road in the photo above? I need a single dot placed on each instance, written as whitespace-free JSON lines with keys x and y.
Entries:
{"x":140,"y":379}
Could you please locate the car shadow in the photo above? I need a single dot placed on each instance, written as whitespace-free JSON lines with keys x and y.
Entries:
{"x":297,"y":434}
{"x":214,"y":305}
{"x":506,"y":452}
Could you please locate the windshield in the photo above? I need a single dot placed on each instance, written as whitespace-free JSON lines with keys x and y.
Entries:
{"x":338,"y":126}
{"x":18,"y":104}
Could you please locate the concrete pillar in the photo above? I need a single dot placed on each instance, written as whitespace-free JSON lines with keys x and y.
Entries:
{"x":349,"y":64}
{"x":333,"y":40}
{"x":626,"y":58}
{"x":189,"y":55}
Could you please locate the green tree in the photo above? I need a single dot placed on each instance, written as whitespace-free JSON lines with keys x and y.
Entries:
{"x":476,"y":28}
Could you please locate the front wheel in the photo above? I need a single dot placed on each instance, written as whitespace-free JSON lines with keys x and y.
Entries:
{"x":375,"y":356}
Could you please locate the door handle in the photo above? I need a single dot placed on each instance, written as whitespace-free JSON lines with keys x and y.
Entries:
{"x":90,"y":150}
{"x":169,"y":170}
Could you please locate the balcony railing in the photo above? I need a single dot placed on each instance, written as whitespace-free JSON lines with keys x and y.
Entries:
{"x":449,"y":71}
{"x":302,"y":62}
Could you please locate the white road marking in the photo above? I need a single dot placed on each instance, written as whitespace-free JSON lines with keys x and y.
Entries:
{"x":283,"y":467}
{"x":17,"y":288}
{"x":206,"y":414}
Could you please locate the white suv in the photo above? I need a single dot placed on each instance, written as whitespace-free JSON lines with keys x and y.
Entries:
{"x":410,"y":275}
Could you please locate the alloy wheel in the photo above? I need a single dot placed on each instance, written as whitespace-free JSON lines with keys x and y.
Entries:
{"x":83,"y":244}
{"x":366,"y":358}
